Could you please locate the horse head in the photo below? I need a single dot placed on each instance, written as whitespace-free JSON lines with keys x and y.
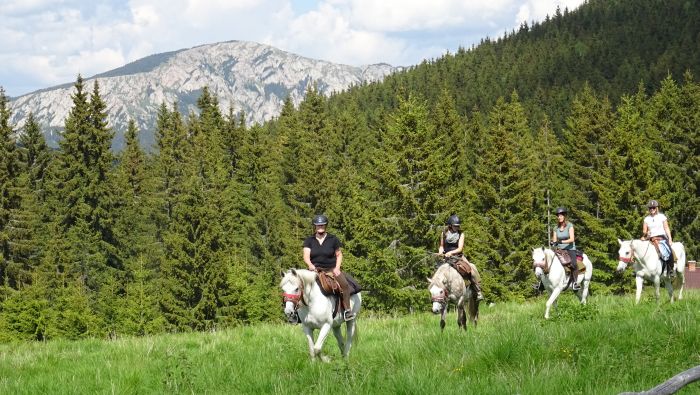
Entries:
{"x":292,"y":294}
{"x":625,"y":254}
{"x":438,"y":292}
{"x":539,"y":261}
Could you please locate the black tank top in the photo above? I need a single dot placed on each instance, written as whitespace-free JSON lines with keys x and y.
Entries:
{"x":449,"y":246}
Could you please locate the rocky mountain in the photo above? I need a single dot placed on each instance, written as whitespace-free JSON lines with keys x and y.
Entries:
{"x":252,"y":77}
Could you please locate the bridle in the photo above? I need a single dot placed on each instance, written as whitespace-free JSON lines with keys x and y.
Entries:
{"x":632,"y":257}
{"x":442,"y":298}
{"x":297,"y":298}
{"x":544,"y":265}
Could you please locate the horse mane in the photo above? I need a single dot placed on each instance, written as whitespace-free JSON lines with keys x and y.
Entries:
{"x":440,"y":273}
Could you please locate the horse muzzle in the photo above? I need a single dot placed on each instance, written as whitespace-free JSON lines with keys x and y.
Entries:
{"x":293,"y":318}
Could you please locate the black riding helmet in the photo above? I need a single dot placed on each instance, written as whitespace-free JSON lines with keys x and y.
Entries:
{"x":454,"y":221}
{"x":320,"y":220}
{"x":653,"y":203}
{"x":561,"y":210}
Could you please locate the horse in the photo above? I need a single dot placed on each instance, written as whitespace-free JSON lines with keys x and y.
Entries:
{"x":448,"y":285}
{"x":551,"y":272}
{"x":303,"y":299}
{"x":647,"y":265}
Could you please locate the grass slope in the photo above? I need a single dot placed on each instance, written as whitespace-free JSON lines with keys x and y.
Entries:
{"x":606,"y":347}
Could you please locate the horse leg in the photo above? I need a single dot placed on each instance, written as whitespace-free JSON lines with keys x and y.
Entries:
{"x":681,"y":279}
{"x":640,"y":282}
{"x":338,"y":333}
{"x":668,"y":283}
{"x":310,"y":339}
{"x":322,"y":334}
{"x":583,"y":293}
{"x":349,"y":335}
{"x":552,"y":299}
{"x":657,"y":286}
{"x":461,"y":317}
{"x":442,"y":317}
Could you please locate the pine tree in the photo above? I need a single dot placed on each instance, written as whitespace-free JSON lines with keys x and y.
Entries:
{"x":509,"y":200}
{"x":10,"y":196}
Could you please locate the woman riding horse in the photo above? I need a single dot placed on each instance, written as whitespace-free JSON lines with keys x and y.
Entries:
{"x":563,"y":237}
{"x":452,"y":244}
{"x":322,"y":252}
{"x":655,"y":228}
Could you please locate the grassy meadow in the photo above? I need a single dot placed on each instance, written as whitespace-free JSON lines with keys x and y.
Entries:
{"x":606,"y":347}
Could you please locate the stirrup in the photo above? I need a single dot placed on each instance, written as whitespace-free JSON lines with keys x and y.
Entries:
{"x":348,"y":315}
{"x":575,"y":287}
{"x":479,"y":296}
{"x":538,"y":285}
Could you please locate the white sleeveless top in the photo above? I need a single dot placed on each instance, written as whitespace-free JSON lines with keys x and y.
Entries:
{"x":656,"y":224}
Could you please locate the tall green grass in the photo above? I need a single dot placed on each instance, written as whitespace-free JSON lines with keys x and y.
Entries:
{"x":605,"y":347}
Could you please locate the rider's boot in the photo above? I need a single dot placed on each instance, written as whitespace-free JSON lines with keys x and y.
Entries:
{"x":348,"y":315}
{"x":574,"y":277}
{"x":476,"y":287}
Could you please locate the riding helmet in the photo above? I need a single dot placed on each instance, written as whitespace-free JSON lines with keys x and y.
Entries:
{"x":653,"y":203}
{"x":320,"y":220}
{"x":561,"y":210}
{"x":454,"y":220}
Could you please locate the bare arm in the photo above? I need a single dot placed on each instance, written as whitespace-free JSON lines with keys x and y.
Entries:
{"x":668,"y":232}
{"x":441,"y":249}
{"x":460,"y":246}
{"x":645,"y":230}
{"x":307,"y":258}
{"x":338,"y":261}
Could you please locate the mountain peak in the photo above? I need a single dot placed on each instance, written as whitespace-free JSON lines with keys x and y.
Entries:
{"x":250,"y":77}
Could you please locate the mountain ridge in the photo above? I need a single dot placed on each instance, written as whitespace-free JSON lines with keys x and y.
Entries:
{"x":251,"y":77}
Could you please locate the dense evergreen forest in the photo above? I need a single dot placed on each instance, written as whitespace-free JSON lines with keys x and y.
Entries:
{"x":595,"y":109}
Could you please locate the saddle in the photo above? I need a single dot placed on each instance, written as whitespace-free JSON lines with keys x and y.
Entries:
{"x":655,"y":241}
{"x":330,"y":286}
{"x":565,"y":259}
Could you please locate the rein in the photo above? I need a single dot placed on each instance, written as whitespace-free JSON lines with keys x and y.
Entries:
{"x":442,"y":298}
{"x":544,"y":265}
{"x":632,"y":255}
{"x":297,"y":299}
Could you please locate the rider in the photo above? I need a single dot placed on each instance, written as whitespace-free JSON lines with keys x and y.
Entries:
{"x":452,"y":243}
{"x":563,"y":237}
{"x":322,"y":252}
{"x":656,"y":225}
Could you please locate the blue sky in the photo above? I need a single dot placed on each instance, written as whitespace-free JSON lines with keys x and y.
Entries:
{"x":48,"y":42}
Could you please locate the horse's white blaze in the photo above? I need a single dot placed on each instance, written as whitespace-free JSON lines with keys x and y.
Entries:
{"x":437,"y":292}
{"x":556,"y":280}
{"x":317,"y":312}
{"x":642,"y":255}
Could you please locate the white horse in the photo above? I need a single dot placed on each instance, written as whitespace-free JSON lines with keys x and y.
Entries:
{"x":551,"y":272}
{"x":303,"y":298}
{"x":448,"y":285}
{"x":647,"y":265}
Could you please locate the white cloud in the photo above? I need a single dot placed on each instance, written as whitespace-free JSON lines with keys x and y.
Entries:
{"x":51,"y":41}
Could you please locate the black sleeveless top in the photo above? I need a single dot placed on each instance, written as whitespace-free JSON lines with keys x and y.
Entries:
{"x":449,"y":246}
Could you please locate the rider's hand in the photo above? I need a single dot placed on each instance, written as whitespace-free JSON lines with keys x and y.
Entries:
{"x":312,"y":267}
{"x":552,"y":243}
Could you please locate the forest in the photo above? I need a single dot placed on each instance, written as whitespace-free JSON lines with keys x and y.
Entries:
{"x":581,"y":110}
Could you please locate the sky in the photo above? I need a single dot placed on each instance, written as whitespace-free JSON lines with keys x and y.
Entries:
{"x":49,"y":42}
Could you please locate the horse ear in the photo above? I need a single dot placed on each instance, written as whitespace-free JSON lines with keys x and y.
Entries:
{"x":282,"y":274}
{"x":294,"y":272}
{"x":619,"y":241}
{"x":429,"y":280}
